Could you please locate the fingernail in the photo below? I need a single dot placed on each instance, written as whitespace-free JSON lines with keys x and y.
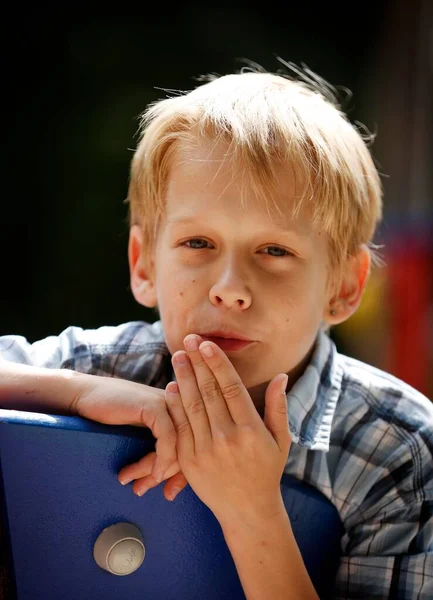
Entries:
{"x":181,"y":358}
{"x":284,"y":384}
{"x":191,"y":343}
{"x":125,"y":481}
{"x":173,"y":388}
{"x":207,"y":350}
{"x":174,"y":492}
{"x":142,"y":491}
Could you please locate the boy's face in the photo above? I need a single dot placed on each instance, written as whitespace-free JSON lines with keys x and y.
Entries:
{"x":219,"y":266}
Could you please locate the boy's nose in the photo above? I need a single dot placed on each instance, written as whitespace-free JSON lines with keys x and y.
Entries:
{"x":231,"y":292}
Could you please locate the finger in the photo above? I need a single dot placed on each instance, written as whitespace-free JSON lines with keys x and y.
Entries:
{"x":164,"y":432}
{"x":238,"y":400}
{"x":276,"y":419}
{"x":216,"y":407}
{"x":174,"y":485}
{"x":185,"y":439}
{"x":142,"y":485}
{"x":141,"y":468}
{"x":141,"y":472}
{"x":192,"y":400}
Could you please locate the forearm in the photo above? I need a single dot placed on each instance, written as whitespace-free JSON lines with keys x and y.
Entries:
{"x":267,"y":558}
{"x":35,"y":389}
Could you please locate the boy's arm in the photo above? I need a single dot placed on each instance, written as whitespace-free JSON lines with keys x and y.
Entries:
{"x":107,"y":400}
{"x":388,"y":542}
{"x":37,"y":389}
{"x":234,"y":462}
{"x":267,"y":558}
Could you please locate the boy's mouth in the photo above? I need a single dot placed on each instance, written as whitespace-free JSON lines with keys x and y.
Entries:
{"x":226,"y":342}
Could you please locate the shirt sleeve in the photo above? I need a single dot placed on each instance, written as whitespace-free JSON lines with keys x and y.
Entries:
{"x":134,"y":350}
{"x":388,"y":541}
{"x":51,"y":352}
{"x":400,"y":577}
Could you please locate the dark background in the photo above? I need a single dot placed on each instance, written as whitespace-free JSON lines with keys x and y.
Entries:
{"x":75,"y":83}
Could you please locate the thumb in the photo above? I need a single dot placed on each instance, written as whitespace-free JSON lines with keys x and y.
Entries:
{"x":276,"y":419}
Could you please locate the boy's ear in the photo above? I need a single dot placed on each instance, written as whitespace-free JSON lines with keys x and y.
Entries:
{"x":141,"y":272}
{"x":346,"y":301}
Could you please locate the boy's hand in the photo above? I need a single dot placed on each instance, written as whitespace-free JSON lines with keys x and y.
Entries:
{"x":230,"y":457}
{"x":120,"y":402}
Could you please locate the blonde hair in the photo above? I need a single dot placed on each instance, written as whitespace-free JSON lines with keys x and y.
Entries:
{"x":268,"y":120}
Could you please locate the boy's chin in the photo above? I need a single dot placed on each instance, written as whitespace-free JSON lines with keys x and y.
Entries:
{"x":257,"y":393}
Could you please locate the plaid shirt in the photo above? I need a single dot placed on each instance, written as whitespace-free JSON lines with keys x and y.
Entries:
{"x":360,"y":436}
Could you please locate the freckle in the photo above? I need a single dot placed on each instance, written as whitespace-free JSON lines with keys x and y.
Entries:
{"x":193,"y":280}
{"x":181,"y":294}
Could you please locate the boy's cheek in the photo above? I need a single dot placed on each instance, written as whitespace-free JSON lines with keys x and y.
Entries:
{"x":178,"y":294}
{"x":174,"y":326}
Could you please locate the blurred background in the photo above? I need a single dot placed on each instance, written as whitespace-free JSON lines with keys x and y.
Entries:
{"x":74,"y":85}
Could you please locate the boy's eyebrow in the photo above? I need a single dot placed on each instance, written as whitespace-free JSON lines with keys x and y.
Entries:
{"x":194,"y":220}
{"x":182,"y":221}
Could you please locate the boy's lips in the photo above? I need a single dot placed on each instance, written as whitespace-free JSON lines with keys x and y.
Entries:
{"x":227,"y":341}
{"x":228,"y":344}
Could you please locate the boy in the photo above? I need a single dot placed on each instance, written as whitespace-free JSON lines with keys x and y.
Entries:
{"x":253,"y":203}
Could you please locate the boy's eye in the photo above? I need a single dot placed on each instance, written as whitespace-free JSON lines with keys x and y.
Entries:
{"x":277,"y":251}
{"x":201,"y":244}
{"x":196,"y":243}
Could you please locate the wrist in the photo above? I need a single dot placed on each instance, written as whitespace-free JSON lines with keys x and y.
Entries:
{"x":267,"y":557}
{"x":255,"y":520}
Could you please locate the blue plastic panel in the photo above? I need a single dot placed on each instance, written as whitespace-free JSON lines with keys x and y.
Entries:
{"x":61,"y":490}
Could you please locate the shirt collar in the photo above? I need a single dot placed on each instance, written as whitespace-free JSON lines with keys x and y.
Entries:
{"x":313,"y":398}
